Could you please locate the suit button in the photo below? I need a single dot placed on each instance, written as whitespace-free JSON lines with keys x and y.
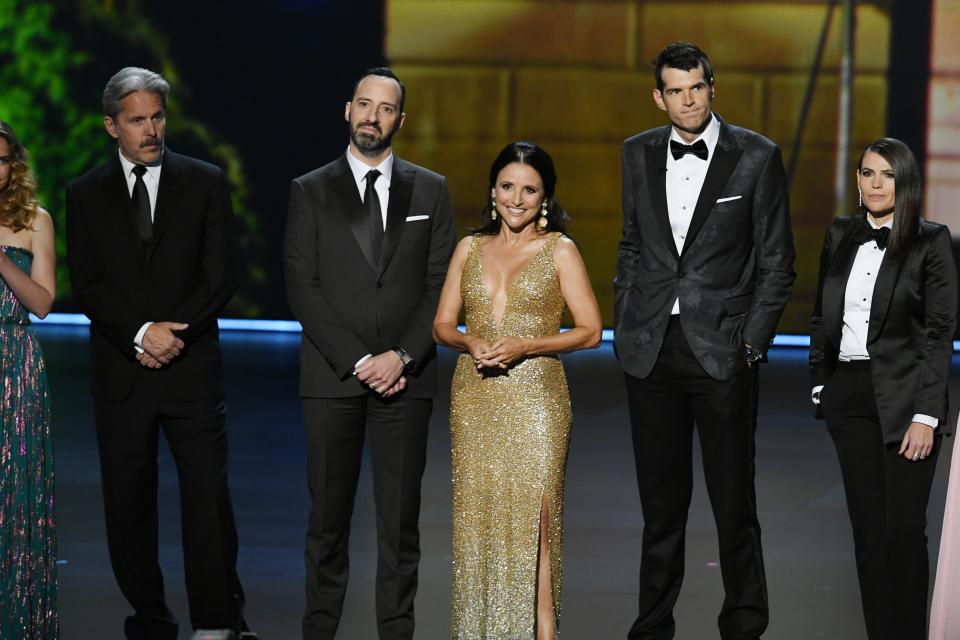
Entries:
{"x":681,"y":274}
{"x":379,"y":285}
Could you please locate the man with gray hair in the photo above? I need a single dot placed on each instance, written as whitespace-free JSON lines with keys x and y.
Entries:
{"x":151,"y":256}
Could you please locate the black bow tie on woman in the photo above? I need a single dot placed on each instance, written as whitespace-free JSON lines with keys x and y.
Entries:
{"x":698,"y":148}
{"x":868,"y":233}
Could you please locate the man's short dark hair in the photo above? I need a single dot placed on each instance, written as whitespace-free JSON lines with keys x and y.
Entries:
{"x":383,"y":72}
{"x":684,"y":56}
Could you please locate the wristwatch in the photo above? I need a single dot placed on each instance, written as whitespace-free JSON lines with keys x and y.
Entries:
{"x":751,"y":354}
{"x":405,"y":358}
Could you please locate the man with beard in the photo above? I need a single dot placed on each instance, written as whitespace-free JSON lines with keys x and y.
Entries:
{"x":704,"y":270}
{"x":367,"y":243}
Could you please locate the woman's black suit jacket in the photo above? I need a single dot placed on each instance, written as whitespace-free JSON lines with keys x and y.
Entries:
{"x":912,"y":320}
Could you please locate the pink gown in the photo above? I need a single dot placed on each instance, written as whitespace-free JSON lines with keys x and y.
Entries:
{"x":945,"y":610}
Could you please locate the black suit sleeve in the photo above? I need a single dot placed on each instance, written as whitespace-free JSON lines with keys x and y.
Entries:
{"x":940,"y":321}
{"x":773,"y":243}
{"x":819,"y":343}
{"x":217,"y":279}
{"x":417,"y":339}
{"x":321,"y":323}
{"x":628,"y":251}
{"x":107,"y":309}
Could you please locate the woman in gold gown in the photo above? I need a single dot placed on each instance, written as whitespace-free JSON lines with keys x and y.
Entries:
{"x":510,"y":409}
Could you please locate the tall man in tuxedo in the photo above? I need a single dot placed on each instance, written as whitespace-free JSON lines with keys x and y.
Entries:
{"x":366,"y":249}
{"x":151,"y":256}
{"x":704,"y":270}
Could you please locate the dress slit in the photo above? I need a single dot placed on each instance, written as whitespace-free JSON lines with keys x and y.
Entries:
{"x":509,"y":439}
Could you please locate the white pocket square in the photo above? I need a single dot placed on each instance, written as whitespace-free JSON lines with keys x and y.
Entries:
{"x":423,"y":217}
{"x":719,"y":200}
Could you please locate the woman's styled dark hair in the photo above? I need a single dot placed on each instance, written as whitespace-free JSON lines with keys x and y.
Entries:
{"x":530,"y":154}
{"x":909,"y":190}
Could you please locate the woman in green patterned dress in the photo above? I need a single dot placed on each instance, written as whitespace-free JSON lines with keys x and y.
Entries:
{"x":28,"y":576}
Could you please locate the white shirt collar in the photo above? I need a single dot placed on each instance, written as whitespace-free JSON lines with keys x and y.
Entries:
{"x":153,"y":170}
{"x":888,"y":224}
{"x":709,"y":136}
{"x":360,"y":169}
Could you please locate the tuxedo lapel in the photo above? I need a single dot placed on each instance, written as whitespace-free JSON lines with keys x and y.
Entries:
{"x":883,"y":291}
{"x":726,"y":155}
{"x":348,"y":203}
{"x":116,"y":201}
{"x":169,"y":192}
{"x":835,"y":284}
{"x":401,"y":191}
{"x":656,"y":164}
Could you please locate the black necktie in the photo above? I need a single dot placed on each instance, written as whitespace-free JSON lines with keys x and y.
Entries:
{"x":371,"y":206}
{"x":880,"y":236}
{"x":698,"y":148}
{"x":141,"y":206}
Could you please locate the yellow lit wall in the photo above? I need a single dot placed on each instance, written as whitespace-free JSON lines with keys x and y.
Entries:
{"x":943,"y":142}
{"x":574,"y":76}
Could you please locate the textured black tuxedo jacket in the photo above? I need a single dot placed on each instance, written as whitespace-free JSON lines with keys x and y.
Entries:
{"x":735,"y":273}
{"x":350,"y":305}
{"x":186,"y":275}
{"x":913,"y":316}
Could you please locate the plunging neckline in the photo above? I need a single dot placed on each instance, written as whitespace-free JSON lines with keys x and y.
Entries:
{"x":498,"y":326}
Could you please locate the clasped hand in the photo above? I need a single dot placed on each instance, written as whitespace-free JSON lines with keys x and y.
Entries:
{"x":503,"y":353}
{"x":160,"y":344}
{"x":917,"y":442}
{"x":383,"y":374}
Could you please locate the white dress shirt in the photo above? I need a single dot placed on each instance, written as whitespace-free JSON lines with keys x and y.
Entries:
{"x":382,"y":185}
{"x":684,"y":181}
{"x":857,"y":301}
{"x":151,"y":180}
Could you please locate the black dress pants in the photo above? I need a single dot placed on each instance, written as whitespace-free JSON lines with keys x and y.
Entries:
{"x":887,"y":499}
{"x":128,"y":438}
{"x":335,"y":431}
{"x":664,"y":407}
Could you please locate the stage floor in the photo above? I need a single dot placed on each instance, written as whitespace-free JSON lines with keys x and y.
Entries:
{"x":806,"y":535}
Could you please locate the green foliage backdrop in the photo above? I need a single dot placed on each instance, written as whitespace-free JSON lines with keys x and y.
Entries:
{"x":51,"y":83}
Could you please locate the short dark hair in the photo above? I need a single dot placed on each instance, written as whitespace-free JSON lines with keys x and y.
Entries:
{"x":531,"y":154}
{"x":909,"y":189}
{"x":383,"y":72}
{"x":684,"y":56}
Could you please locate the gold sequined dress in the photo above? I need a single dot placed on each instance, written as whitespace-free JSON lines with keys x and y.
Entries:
{"x":510,"y":435}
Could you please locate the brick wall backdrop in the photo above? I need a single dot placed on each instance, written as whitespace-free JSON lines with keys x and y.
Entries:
{"x":943,"y":144}
{"x":574,"y":76}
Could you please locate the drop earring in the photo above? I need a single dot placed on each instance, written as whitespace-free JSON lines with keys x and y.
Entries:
{"x":860,"y":197}
{"x":543,"y":222}
{"x":493,"y":208}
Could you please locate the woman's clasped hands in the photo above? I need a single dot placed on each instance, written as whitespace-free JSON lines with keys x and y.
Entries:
{"x":502,"y":354}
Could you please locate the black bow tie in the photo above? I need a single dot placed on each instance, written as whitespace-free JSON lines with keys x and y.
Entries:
{"x":880,"y":236}
{"x":698,"y":148}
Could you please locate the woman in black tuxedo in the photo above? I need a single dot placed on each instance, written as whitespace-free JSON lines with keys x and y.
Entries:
{"x":880,"y":346}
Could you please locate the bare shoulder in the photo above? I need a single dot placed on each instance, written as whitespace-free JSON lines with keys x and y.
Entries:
{"x":566,"y":254}
{"x":43,"y":218}
{"x":566,"y":248}
{"x":463,"y":247}
{"x":462,"y":250}
{"x":42,"y":224}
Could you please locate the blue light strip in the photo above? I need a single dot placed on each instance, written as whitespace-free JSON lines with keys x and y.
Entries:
{"x":292,"y":326}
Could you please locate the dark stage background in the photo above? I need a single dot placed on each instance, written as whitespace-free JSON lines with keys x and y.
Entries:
{"x":259,"y":88}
